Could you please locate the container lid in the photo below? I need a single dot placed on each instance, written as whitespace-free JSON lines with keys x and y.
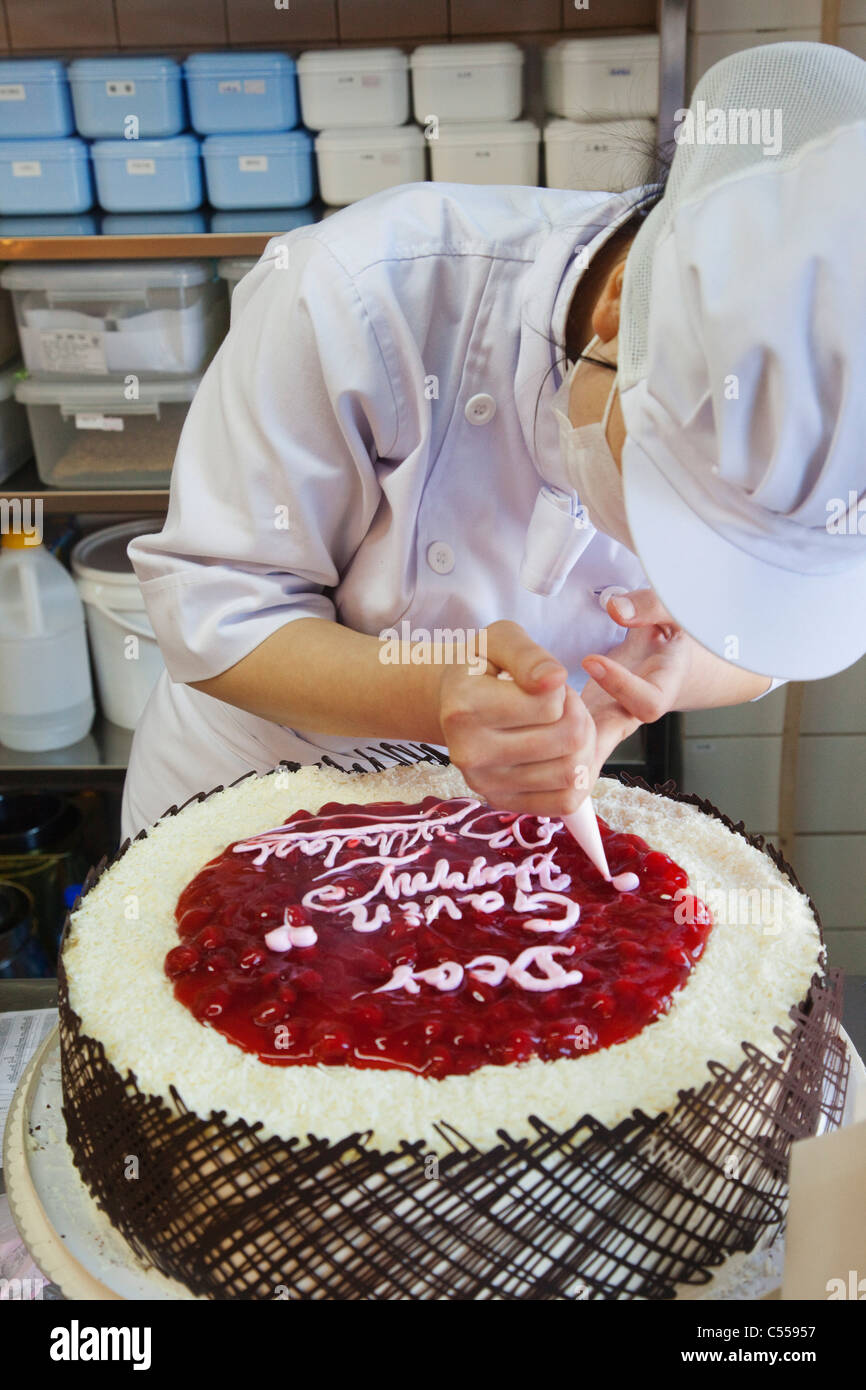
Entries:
{"x":352,"y":60}
{"x":32,"y":70}
{"x":235,"y":267}
{"x":219,"y":64}
{"x":401,"y":137}
{"x":600,"y":50}
{"x":449,"y":55}
{"x":35,"y":820}
{"x":103,"y":555}
{"x":92,"y":69}
{"x":170,"y":147}
{"x":111,"y":394}
{"x":269,"y":142}
{"x":64,"y":148}
{"x":486,"y":133}
{"x":7,"y":378}
{"x":104,"y":275}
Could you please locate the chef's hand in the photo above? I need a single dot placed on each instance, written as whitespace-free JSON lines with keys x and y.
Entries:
{"x":526,"y":744}
{"x":659,"y":667}
{"x":651,"y":670}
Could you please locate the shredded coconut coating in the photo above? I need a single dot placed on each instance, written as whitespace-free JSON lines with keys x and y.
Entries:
{"x":755,"y":967}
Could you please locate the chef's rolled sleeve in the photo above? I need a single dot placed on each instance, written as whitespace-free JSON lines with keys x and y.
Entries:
{"x":274,"y":484}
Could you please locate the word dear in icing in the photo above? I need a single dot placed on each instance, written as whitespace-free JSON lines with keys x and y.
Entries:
{"x":491,"y":970}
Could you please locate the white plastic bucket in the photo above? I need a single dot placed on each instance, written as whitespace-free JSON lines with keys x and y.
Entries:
{"x":126,"y":658}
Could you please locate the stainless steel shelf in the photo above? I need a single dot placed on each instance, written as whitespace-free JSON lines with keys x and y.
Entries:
{"x":26,"y":483}
{"x":102,"y":756}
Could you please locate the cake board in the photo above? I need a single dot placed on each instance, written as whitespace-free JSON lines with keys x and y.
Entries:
{"x":74,"y":1245}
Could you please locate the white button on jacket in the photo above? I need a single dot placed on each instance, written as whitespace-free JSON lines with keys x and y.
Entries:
{"x":333,"y":463}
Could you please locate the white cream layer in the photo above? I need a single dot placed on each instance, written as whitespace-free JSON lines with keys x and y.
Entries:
{"x":756,"y":965}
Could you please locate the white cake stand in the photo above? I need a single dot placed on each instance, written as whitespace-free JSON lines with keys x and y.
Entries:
{"x":76,"y":1247}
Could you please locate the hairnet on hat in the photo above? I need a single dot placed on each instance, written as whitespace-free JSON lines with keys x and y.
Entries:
{"x":742,"y":358}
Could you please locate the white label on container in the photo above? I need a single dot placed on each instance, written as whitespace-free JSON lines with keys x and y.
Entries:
{"x":141,"y":166}
{"x":90,"y":420}
{"x":12,"y":91}
{"x":72,"y":350}
{"x":253,"y":163}
{"x":466,"y":75}
{"x":120,"y":89}
{"x":26,"y":168}
{"x":231,"y":84}
{"x":371,"y":79}
{"x":255,"y":86}
{"x":389,"y":157}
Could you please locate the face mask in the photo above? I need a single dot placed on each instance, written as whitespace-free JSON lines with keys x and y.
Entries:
{"x":589,"y":465}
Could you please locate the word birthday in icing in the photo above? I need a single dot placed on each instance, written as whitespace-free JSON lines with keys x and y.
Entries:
{"x":434,"y":938}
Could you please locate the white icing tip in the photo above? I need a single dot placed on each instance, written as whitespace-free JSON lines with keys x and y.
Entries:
{"x":625,"y":883}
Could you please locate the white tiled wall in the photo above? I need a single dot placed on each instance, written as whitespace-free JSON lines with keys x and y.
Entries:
{"x":733,"y":757}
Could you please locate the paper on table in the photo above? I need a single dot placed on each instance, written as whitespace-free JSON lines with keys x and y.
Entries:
{"x":825,"y":1244}
{"x":20,"y":1035}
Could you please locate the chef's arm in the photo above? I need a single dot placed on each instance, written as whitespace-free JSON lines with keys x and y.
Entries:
{"x":316,"y":674}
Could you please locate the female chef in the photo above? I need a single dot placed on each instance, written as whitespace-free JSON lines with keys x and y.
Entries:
{"x":385,"y":443}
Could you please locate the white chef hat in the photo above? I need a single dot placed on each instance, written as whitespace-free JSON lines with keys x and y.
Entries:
{"x":742,"y":358}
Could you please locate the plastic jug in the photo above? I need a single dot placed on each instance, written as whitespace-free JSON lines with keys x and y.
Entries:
{"x":46,"y":695}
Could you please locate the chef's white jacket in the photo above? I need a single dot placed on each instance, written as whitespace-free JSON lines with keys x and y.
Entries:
{"x":366,"y":447}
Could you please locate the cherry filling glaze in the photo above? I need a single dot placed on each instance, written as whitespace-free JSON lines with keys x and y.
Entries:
{"x":435,"y":938}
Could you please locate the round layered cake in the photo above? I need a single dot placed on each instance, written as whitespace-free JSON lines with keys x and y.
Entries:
{"x":368,"y":1037}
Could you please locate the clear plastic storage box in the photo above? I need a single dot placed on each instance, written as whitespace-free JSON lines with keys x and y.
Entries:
{"x":603,"y":156}
{"x":91,"y":435}
{"x":348,"y":87}
{"x":467,"y":81}
{"x":250,"y":171}
{"x":34,"y":99}
{"x":234,"y":92}
{"x":603,"y":78}
{"x":127,"y":98}
{"x":486,"y":152}
{"x":148,"y":175}
{"x":152,"y":318}
{"x":15,"y":446}
{"x":45,"y":176}
{"x":232,"y":269}
{"x":355,"y":163}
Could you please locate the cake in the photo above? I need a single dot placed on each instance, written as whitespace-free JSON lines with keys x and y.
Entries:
{"x":367,"y":1037}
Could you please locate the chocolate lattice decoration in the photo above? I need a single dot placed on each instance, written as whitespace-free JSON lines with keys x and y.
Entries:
{"x":588,"y":1212}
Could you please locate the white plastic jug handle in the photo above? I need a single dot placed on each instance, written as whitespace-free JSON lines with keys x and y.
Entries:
{"x":122,"y":623}
{"x":32,"y":602}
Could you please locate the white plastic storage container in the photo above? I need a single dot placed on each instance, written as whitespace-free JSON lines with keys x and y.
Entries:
{"x":34,"y":99}
{"x":250,"y":171}
{"x":46,"y":697}
{"x":232,"y":269}
{"x":127,"y":98}
{"x":151,"y":318}
{"x":15,"y":446}
{"x":603,"y":78}
{"x":603,"y":156}
{"x":240,"y":91}
{"x":126,"y":658}
{"x":486,"y":152}
{"x":355,"y":163}
{"x":92,"y":435}
{"x":148,"y":175}
{"x":467,"y":81}
{"x":349,"y":87}
{"x":45,"y":176}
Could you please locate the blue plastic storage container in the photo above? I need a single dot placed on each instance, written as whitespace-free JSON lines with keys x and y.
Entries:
{"x":127,"y":98}
{"x":259,"y":171}
{"x":34,"y":99}
{"x":241,"y":91}
{"x":45,"y":176}
{"x":76,"y":224}
{"x":153,"y":223}
{"x":263,"y":219}
{"x":148,"y":175}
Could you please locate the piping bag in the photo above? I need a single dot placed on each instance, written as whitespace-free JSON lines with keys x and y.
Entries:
{"x":582,"y":825}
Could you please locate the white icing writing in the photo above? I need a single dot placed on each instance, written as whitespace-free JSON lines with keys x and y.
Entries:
{"x":491,"y":970}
